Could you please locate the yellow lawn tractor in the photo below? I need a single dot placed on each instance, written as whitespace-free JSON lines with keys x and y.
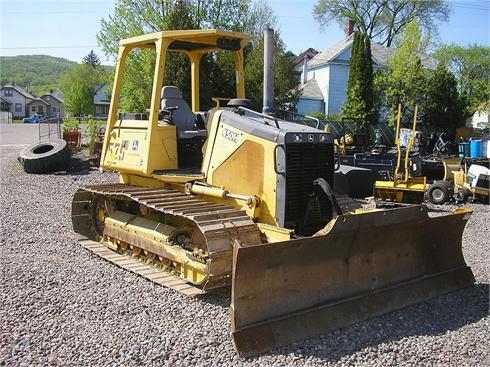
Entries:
{"x":235,"y":197}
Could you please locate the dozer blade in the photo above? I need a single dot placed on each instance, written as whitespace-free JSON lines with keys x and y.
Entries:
{"x":362,"y":265}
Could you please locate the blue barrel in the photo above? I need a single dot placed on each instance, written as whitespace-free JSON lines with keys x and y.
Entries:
{"x":464,"y":150}
{"x":476,"y":149}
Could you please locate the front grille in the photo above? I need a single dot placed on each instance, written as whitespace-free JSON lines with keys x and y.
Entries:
{"x":304,"y":164}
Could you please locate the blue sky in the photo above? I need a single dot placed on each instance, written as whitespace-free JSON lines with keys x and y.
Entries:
{"x":67,"y":28}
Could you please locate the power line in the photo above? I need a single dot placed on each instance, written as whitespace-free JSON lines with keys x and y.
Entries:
{"x":47,"y":47}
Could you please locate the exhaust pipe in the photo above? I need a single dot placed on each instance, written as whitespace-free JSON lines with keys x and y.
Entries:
{"x":268,"y":101}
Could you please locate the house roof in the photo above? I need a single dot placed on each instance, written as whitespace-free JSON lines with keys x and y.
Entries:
{"x":379,"y":53}
{"x":332,"y":52}
{"x":311,"y":90}
{"x":58,"y":98}
{"x":102,"y":86}
{"x":5,"y":100}
{"x":37,"y":99}
{"x":25,"y":93}
{"x":308,"y":54}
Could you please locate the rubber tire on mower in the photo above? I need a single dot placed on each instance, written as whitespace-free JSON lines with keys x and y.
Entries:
{"x":462,"y":195}
{"x":45,"y":156}
{"x":440,"y":192}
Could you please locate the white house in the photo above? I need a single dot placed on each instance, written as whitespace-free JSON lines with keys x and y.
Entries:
{"x":328,"y":73}
{"x":301,"y":60}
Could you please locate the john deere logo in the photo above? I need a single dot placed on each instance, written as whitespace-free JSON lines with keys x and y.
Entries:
{"x":135,"y":145}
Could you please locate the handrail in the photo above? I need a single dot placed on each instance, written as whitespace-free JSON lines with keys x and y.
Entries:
{"x":265,"y":116}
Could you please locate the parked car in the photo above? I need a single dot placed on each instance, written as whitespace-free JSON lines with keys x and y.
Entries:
{"x":37,"y":117}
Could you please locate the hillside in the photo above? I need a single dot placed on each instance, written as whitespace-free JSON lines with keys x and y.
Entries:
{"x":37,"y":73}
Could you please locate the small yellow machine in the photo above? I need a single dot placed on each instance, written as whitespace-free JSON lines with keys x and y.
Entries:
{"x":236,"y":197}
{"x":461,"y":183}
{"x":403,"y":189}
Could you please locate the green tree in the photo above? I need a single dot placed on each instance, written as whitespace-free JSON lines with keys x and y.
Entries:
{"x":443,"y":108}
{"x":286,"y":78}
{"x":360,"y":101}
{"x":78,"y":99}
{"x":217,"y":77}
{"x":471,"y":68}
{"x":382,"y":20}
{"x":406,"y":80}
{"x":91,"y":59}
{"x":78,"y":87}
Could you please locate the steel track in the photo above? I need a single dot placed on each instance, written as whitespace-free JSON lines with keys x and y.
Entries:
{"x":220,"y":225}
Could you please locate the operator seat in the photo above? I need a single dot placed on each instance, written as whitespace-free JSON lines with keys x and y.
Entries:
{"x":183,"y":117}
{"x":190,"y":139}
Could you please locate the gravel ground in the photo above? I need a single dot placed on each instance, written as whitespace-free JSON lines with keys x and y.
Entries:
{"x":61,"y":305}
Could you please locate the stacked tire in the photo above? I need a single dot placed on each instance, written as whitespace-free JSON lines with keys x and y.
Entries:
{"x":45,"y":156}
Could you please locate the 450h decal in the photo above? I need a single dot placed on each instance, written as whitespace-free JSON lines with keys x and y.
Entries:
{"x":230,"y":135}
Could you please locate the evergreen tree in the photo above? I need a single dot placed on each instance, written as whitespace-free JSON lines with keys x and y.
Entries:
{"x":360,"y":103}
{"x":91,"y":59}
{"x":368,"y":74}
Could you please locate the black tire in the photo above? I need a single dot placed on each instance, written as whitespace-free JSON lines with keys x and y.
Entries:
{"x":45,"y":156}
{"x":462,"y":195}
{"x":439,"y":192}
{"x":450,"y":188}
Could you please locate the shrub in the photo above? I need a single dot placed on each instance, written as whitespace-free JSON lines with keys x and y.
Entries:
{"x":71,"y":124}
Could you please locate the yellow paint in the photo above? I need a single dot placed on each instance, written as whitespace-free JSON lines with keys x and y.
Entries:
{"x":275,"y":234}
{"x":241,"y":164}
{"x":157,"y":142}
{"x":189,"y":269}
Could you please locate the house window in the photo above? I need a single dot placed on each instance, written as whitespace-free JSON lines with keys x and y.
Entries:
{"x":33,"y":109}
{"x":54,"y":110}
{"x":8,"y":93}
{"x":18,"y":107}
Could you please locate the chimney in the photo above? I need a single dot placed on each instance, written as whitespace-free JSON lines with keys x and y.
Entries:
{"x":349,"y":27}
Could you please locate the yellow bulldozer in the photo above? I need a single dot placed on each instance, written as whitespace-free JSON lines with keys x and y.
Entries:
{"x":240,"y":198}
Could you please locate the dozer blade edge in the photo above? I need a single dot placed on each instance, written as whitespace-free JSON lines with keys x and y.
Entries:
{"x":363,"y":265}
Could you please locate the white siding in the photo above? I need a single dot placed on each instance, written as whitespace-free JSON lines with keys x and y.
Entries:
{"x":321,"y":75}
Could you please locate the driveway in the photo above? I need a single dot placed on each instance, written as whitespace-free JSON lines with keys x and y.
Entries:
{"x":25,"y":134}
